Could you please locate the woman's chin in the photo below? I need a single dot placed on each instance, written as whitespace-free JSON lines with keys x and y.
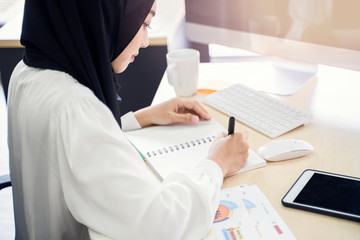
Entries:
{"x":120,"y":69}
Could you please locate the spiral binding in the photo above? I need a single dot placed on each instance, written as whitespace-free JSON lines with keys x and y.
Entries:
{"x":178,"y":147}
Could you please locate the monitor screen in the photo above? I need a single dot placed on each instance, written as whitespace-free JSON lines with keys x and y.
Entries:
{"x":306,"y":31}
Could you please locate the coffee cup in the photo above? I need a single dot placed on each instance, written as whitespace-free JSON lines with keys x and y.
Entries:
{"x":183,"y":70}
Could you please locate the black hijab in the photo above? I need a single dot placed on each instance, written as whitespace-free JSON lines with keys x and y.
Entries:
{"x":82,"y":38}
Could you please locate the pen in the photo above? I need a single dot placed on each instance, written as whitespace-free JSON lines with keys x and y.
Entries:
{"x":231,"y":125}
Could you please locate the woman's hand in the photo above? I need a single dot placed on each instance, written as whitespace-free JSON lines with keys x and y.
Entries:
{"x":172,"y":111}
{"x":230,"y":152}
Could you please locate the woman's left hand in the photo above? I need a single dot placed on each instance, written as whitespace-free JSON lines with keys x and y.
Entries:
{"x":172,"y":111}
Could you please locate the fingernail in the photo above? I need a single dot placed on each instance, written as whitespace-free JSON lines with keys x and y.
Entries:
{"x":194,"y":119}
{"x":246,"y":135}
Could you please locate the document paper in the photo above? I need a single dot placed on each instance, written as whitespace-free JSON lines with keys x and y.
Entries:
{"x":245,"y":213}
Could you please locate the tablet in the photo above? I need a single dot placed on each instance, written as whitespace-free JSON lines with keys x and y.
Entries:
{"x":327,"y":193}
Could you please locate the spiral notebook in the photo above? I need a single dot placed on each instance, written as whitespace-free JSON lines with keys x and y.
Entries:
{"x":176,"y":146}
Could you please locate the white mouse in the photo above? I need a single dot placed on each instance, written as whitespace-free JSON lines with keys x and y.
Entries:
{"x":285,"y":149}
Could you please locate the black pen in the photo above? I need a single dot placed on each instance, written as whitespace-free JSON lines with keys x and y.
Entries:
{"x":231,"y":125}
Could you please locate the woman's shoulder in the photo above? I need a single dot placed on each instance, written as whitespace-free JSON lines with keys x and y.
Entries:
{"x":48,"y":84}
{"x":51,"y":92}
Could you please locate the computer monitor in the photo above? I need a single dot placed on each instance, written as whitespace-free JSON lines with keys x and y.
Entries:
{"x":304,"y":32}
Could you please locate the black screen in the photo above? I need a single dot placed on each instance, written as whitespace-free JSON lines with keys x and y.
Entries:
{"x":331,"y":192}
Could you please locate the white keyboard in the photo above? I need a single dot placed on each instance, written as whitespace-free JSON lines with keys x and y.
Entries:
{"x":257,"y":110}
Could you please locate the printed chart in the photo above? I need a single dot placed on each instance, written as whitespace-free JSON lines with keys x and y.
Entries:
{"x":245,"y":213}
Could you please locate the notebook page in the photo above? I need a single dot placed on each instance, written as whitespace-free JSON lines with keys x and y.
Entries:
{"x":177,"y":146}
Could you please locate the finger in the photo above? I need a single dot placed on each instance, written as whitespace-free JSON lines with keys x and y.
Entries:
{"x":185,"y":117}
{"x":243,"y":135}
{"x":240,"y":139}
{"x":247,"y":135}
{"x":197,"y":108}
{"x":221,"y":135}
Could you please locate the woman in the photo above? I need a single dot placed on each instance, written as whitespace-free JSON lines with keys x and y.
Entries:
{"x":74,"y":174}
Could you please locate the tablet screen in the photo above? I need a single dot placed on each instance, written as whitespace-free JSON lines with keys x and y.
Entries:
{"x":331,"y":192}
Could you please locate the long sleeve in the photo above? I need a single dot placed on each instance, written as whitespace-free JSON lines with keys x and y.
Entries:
{"x":129,"y":122}
{"x":108,"y":187}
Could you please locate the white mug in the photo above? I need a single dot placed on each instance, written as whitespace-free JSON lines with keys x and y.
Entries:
{"x":183,"y":70}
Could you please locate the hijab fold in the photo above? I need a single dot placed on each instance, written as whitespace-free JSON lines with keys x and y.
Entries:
{"x":82,"y":38}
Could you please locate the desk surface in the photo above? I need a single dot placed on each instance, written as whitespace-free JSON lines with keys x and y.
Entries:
{"x":333,"y":100}
{"x":169,"y":15}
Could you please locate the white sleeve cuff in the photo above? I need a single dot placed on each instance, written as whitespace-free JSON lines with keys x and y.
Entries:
{"x":129,"y":122}
{"x":213,"y":169}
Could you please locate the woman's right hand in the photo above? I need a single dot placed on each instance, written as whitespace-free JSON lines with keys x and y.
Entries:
{"x":230,"y":152}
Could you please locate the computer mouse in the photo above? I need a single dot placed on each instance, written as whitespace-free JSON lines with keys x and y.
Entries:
{"x":285,"y":149}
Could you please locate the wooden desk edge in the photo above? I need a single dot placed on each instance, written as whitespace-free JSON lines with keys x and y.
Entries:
{"x":161,"y":41}
{"x":10,"y":44}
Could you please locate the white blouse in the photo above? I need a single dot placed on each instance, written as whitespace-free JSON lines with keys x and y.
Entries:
{"x":76,"y":176}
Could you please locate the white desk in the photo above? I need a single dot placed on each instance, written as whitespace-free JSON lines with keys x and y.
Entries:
{"x":333,"y":99}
